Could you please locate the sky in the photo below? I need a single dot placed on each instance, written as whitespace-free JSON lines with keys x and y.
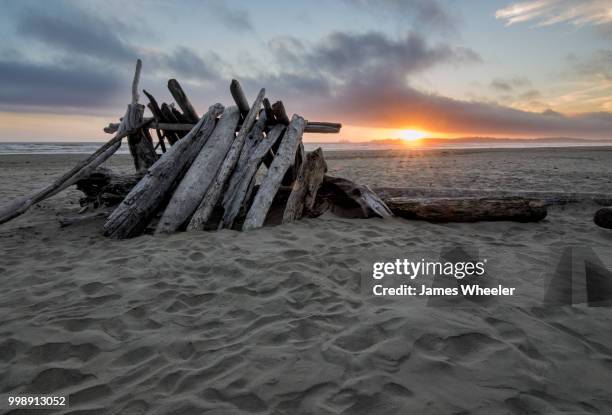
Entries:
{"x":383,"y":68}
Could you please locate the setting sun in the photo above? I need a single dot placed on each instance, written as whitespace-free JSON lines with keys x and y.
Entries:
{"x":412,"y":134}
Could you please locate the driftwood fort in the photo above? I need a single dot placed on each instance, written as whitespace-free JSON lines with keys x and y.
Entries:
{"x":200,"y":172}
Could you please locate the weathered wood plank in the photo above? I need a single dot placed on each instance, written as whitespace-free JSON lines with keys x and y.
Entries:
{"x":306,"y":186}
{"x":146,"y":198}
{"x":214,"y":191}
{"x":241,"y":183}
{"x":468,"y":209}
{"x":283,"y":160}
{"x":183,"y":102}
{"x":200,"y":175}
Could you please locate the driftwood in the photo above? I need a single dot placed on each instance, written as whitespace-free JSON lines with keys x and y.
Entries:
{"x":81,"y":170}
{"x":183,"y":102}
{"x":104,"y":187}
{"x":351,"y":199}
{"x":270,"y":120}
{"x":269,"y":187}
{"x":304,"y":192}
{"x":214,"y":191}
{"x":138,"y":208}
{"x":278,"y":108}
{"x":174,"y":126}
{"x":323,"y":127}
{"x":200,"y":175}
{"x":243,"y":178}
{"x":73,"y":220}
{"x":469,"y":209}
{"x":603,"y":217}
{"x":157,"y":114}
{"x":239,"y":98}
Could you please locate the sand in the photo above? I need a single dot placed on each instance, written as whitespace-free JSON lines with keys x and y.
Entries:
{"x":281,"y":320}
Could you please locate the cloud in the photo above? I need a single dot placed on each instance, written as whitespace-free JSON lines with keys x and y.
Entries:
{"x":598,"y":64}
{"x":507,"y":85}
{"x":235,"y":19}
{"x":72,"y":30}
{"x":421,"y":13}
{"x":549,"y":12}
{"x":29,"y":84}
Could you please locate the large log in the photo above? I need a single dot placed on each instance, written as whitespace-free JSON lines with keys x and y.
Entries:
{"x":150,"y":194}
{"x":183,"y":102}
{"x":306,"y":186}
{"x":352,"y":199}
{"x":200,"y":175}
{"x":214,"y":191}
{"x":468,"y":209}
{"x":243,"y":178}
{"x":83,"y":169}
{"x":603,"y":217}
{"x":293,"y":171}
{"x":270,"y":184}
{"x":239,"y":98}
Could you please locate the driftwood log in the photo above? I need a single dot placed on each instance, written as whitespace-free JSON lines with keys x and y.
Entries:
{"x":469,"y":209}
{"x":189,"y":113}
{"x":304,"y":192}
{"x":201,"y":174}
{"x":243,"y":179}
{"x":215,"y":190}
{"x":239,"y":98}
{"x":351,"y":199}
{"x":603,"y":217}
{"x":104,"y":187}
{"x":280,"y":114}
{"x":272,"y":181}
{"x":137,"y":209}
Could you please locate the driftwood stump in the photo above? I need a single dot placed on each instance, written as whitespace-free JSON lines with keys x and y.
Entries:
{"x":304,"y":191}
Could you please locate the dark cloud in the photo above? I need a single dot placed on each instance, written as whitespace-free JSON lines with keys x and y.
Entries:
{"x":507,"y":85}
{"x":235,"y":19}
{"x":500,"y":85}
{"x":598,"y":64}
{"x":185,"y":63}
{"x":428,"y":14}
{"x":27,"y":84}
{"x":530,"y":95}
{"x":74,"y":31}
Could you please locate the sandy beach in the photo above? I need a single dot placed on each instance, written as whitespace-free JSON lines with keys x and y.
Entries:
{"x":282,"y":319}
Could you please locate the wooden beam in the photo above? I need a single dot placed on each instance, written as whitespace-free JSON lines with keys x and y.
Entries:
{"x":279,"y":113}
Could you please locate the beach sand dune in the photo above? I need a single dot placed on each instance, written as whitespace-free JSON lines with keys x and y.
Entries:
{"x":282,"y":319}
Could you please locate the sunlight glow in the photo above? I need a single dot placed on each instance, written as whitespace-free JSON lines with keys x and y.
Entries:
{"x":411,"y":135}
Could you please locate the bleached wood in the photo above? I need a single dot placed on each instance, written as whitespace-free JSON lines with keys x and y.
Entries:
{"x":214,"y":191}
{"x":146,"y":198}
{"x":200,"y":175}
{"x":243,"y":178}
{"x":305,"y":188}
{"x":270,"y":184}
{"x":367,"y":201}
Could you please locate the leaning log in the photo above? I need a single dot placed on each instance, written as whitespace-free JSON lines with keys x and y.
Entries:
{"x":270,"y":119}
{"x":214,"y":191}
{"x":200,"y":175}
{"x":603,"y":217}
{"x":270,"y":184}
{"x":183,"y":102}
{"x":81,"y":170}
{"x":469,"y":209}
{"x":138,"y":208}
{"x":239,"y":98}
{"x":243,"y":178}
{"x":306,"y":186}
{"x":352,"y":199}
{"x":278,"y":108}
{"x":104,"y":187}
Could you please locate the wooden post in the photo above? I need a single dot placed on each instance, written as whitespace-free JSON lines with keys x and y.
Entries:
{"x":200,"y":175}
{"x":266,"y":192}
{"x":183,"y":102}
{"x":279,"y":112}
{"x":305,"y":188}
{"x":213,"y":194}
{"x":140,"y":205}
